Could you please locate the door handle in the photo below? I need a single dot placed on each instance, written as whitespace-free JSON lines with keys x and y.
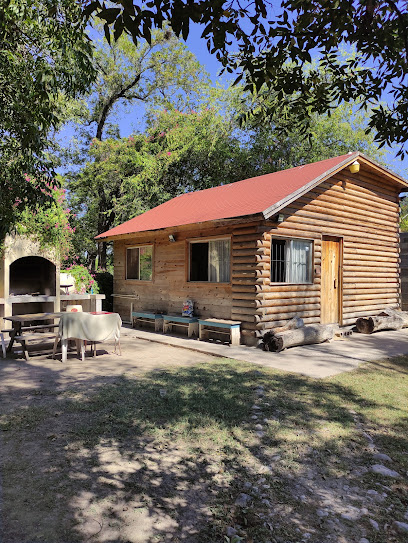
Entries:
{"x":335,"y":284}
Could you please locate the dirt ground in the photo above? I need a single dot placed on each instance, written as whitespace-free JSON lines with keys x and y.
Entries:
{"x":33,"y":388}
{"x":163,"y":444}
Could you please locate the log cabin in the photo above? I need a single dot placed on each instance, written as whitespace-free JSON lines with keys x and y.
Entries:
{"x":318,"y":241}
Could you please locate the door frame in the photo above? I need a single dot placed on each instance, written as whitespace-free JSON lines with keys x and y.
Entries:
{"x":340,"y":240}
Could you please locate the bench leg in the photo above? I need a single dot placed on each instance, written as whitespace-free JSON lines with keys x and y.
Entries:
{"x":158,"y":325}
{"x":3,"y":345}
{"x":24,"y":345}
{"x":192,"y":329}
{"x":54,"y":350}
{"x":235,"y":336}
{"x":202,"y":332}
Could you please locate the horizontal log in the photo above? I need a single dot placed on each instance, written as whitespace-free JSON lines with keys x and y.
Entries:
{"x":262,"y":327}
{"x":247,"y":237}
{"x":282,"y":301}
{"x":370,"y":303}
{"x":338,"y":199}
{"x":244,"y":288}
{"x":286,"y":316}
{"x":366,"y":185}
{"x":351,"y":282}
{"x":243,"y":295}
{"x":370,"y":290}
{"x":370,"y":185}
{"x":367,"y":307}
{"x":350,"y":298}
{"x":342,"y":212}
{"x":281,"y":309}
{"x":243,"y":304}
{"x":369,"y":312}
{"x":332,"y":220}
{"x":288,"y":231}
{"x":297,"y":228}
{"x":355,"y":194}
{"x":277,"y":288}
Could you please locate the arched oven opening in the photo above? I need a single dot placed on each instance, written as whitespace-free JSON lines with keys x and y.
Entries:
{"x":32,"y":275}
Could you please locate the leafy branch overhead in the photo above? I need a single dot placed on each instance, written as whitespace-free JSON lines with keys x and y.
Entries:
{"x":271,"y":48}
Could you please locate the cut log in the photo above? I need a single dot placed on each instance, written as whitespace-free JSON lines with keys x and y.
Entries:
{"x":307,"y":335}
{"x":394,"y":312}
{"x":375,"y":324}
{"x":293,"y":324}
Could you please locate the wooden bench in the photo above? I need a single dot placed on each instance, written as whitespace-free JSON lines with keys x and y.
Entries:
{"x":39,"y":337}
{"x":143,"y":316}
{"x":220,"y":326}
{"x":191,"y":323}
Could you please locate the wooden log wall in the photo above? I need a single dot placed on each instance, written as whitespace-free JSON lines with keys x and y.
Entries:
{"x":404,"y":270}
{"x":363,"y":210}
{"x":170,"y":287}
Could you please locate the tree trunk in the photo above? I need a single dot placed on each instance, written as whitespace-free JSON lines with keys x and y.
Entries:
{"x":307,"y":335}
{"x":102,"y":255}
{"x":381,"y":322}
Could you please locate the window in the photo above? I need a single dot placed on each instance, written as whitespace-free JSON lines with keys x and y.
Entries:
{"x":291,"y":261}
{"x":210,"y":261}
{"x":139,"y":263}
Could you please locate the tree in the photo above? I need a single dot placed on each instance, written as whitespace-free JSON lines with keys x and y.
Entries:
{"x":336,"y":134}
{"x":179,"y":152}
{"x":272,"y":48}
{"x":44,"y":52}
{"x":162,"y":72}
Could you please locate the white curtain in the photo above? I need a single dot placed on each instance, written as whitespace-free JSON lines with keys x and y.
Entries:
{"x":298,"y":260}
{"x":219,"y":261}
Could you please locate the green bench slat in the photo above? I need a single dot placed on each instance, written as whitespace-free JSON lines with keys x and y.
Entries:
{"x":141,"y":315}
{"x":176,"y":318}
{"x":219,"y":324}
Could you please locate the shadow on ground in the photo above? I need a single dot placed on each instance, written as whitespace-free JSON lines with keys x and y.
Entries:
{"x":163,"y":455}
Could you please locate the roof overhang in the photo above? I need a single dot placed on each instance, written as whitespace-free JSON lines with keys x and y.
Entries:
{"x":278,"y":206}
{"x":175,"y":229}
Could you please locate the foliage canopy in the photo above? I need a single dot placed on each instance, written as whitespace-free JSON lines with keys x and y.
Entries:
{"x":44,"y":52}
{"x":271,"y":47}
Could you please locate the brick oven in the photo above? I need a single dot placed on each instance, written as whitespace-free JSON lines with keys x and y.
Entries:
{"x":29,"y":278}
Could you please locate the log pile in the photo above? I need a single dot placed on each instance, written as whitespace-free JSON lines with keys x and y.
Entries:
{"x":389,"y":319}
{"x":295,"y":333}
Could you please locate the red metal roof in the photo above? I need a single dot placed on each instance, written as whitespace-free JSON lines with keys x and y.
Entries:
{"x":248,"y":197}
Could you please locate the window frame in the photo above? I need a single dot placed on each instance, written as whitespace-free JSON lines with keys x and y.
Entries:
{"x":312,"y":259}
{"x":207,"y":240}
{"x":142,"y":246}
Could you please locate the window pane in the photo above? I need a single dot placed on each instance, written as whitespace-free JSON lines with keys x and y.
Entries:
{"x":291,"y":261}
{"x":219,"y":259}
{"x":146,"y":265}
{"x":199,"y":262}
{"x":278,"y":259}
{"x":299,"y":262}
{"x":132,"y":263}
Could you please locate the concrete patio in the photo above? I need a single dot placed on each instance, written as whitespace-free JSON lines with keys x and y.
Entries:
{"x":146,"y":351}
{"x":318,"y":361}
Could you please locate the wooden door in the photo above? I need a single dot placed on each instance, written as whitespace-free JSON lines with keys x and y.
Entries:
{"x":331,"y":287}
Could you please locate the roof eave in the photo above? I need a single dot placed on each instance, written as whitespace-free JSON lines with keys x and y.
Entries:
{"x":227,"y":221}
{"x":275,"y":208}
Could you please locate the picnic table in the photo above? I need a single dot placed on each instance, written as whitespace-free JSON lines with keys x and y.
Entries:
{"x":30,"y":331}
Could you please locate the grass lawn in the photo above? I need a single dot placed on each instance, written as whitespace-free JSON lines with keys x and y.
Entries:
{"x":164,"y":456}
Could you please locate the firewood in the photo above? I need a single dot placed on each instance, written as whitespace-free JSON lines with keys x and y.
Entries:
{"x":375,"y":324}
{"x":307,"y":335}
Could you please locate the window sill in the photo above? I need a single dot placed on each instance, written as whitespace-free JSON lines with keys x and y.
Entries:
{"x":290,"y":284}
{"x":138,"y":281}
